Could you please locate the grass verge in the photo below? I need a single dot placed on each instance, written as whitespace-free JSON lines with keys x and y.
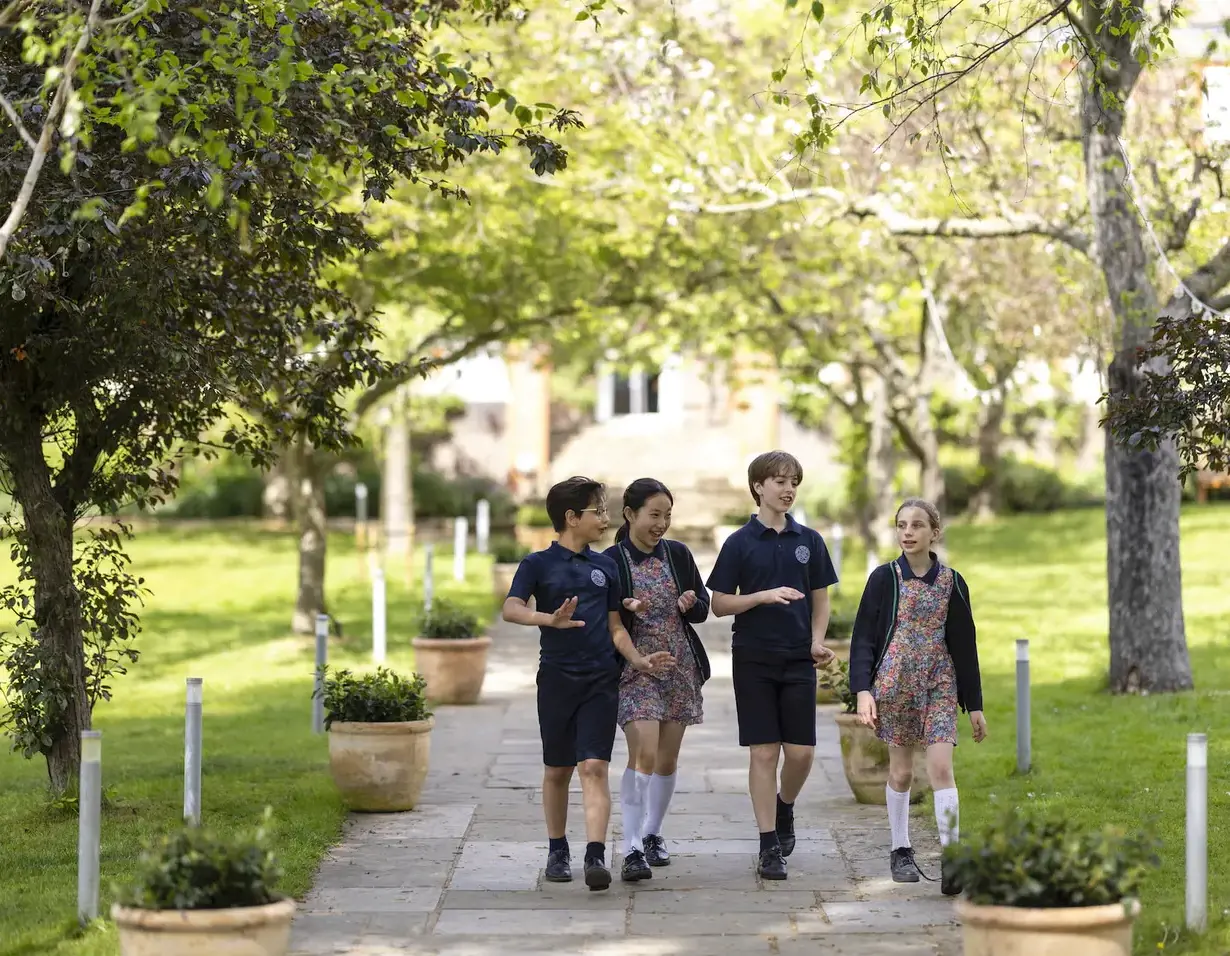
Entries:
{"x":220,"y":610}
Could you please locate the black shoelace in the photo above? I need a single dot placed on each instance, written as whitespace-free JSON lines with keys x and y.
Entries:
{"x":909,"y":853}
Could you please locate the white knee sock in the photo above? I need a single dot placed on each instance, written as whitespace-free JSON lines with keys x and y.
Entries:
{"x":642,"y":805}
{"x":898,"y":816}
{"x":661,"y":789}
{"x":947,"y":816}
{"x":631,"y":809}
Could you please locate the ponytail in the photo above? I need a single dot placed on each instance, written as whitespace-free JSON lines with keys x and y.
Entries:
{"x":622,"y":533}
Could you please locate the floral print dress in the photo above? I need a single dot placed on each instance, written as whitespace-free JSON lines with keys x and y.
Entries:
{"x":915,"y":686}
{"x":674,"y":695}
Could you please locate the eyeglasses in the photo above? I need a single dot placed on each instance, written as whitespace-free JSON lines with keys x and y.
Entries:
{"x":600,"y":512}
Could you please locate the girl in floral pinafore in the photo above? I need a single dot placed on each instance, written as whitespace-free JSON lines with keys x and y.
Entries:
{"x":664,"y":596}
{"x":913,"y":664}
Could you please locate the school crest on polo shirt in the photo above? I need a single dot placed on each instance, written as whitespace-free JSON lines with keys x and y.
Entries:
{"x":802,"y":554}
{"x":598,"y":577}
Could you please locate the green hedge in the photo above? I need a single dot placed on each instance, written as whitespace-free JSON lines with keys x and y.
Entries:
{"x":1025,"y":487}
{"x":229,"y":488}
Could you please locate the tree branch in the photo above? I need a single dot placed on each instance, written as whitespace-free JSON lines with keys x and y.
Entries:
{"x":901,"y":224}
{"x":64,"y":92}
{"x":1210,"y":278}
{"x":11,"y":113}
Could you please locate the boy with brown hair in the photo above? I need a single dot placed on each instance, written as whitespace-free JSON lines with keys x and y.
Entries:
{"x":773,"y":575}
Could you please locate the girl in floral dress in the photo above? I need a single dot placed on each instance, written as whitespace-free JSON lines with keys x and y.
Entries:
{"x":913,"y":663}
{"x":669,"y":597}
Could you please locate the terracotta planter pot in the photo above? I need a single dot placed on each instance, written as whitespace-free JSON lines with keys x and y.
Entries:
{"x":243,"y":931}
{"x":864,"y":757}
{"x":1074,"y":931}
{"x":380,"y":767}
{"x":454,"y":669}
{"x":502,"y":578}
{"x":534,"y":538}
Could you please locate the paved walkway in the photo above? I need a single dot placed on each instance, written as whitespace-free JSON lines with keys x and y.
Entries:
{"x":462,"y":874}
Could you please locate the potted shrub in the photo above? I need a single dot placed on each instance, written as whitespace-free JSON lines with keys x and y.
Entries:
{"x":729,"y":523}
{"x":379,"y":738}
{"x":196,"y":892}
{"x":506,"y":554}
{"x":450,"y":653}
{"x":864,"y":757}
{"x":1039,"y":885}
{"x":534,"y":530}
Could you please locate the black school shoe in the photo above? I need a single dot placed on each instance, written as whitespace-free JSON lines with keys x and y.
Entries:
{"x":655,"y":851}
{"x":950,"y":885}
{"x":902,"y":866}
{"x":771,"y":866}
{"x":635,"y":868}
{"x":597,"y":876}
{"x":785,"y":832}
{"x":559,"y":868}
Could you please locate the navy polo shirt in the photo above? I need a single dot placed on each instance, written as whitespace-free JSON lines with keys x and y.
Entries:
{"x":553,"y":576}
{"x":757,"y":558}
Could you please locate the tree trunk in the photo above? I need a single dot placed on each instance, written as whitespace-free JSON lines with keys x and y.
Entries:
{"x":931,"y":475}
{"x":1148,"y":646}
{"x":278,"y":497}
{"x":876,"y":523}
{"x":395,"y":508}
{"x":313,"y":538}
{"x":57,"y":609}
{"x":985,"y":501}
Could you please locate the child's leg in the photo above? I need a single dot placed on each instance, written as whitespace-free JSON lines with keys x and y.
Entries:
{"x":596,"y":793}
{"x":555,"y":783}
{"x":947,"y":808}
{"x":662,"y":783}
{"x":762,"y":785}
{"x":897,"y":794}
{"x":595,"y":739}
{"x":797,"y":707}
{"x":632,"y":788}
{"x":756,"y":705}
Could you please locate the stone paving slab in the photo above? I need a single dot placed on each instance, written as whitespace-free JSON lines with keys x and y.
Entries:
{"x":462,"y":874}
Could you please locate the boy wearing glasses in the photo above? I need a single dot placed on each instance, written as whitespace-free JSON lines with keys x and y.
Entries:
{"x":578,"y":668}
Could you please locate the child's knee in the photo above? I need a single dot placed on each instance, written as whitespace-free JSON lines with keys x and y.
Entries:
{"x":557,"y":775}
{"x":941,"y":775}
{"x":765,"y":755}
{"x":593,"y":769}
{"x":901,"y":778}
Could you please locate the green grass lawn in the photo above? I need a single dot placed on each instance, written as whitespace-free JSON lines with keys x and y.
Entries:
{"x":1098,"y":758}
{"x":220,"y":610}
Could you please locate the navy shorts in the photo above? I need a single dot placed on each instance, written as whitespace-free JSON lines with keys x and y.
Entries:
{"x":775,"y":699}
{"x":576,"y":715}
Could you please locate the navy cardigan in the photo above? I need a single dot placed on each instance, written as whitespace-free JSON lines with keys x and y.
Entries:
{"x":877,"y":619}
{"x":687,"y":578}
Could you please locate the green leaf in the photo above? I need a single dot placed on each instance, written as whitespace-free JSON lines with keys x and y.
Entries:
{"x":817,"y":11}
{"x":214,"y":194}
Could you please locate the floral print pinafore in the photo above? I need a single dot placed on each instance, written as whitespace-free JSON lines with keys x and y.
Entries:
{"x":915,"y":686}
{"x":675,"y":694}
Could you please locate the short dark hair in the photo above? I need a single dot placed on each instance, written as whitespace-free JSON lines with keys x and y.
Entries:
{"x":637,"y":494}
{"x":572,"y":494}
{"x":772,"y":464}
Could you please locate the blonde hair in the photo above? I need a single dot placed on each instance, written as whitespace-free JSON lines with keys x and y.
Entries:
{"x":931,"y":511}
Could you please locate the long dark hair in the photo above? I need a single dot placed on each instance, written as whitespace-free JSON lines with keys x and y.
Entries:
{"x":635,"y":496}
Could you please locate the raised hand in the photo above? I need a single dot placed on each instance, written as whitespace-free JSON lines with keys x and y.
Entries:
{"x":781,"y":596}
{"x":687,"y":601}
{"x":563,"y":616}
{"x":655,"y":663}
{"x":634,"y":605}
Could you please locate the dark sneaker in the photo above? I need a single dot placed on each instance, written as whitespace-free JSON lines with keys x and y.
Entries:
{"x":950,"y":885}
{"x":635,"y":868}
{"x":559,"y":869}
{"x":901,"y":864}
{"x":785,"y":832}
{"x":655,"y":851}
{"x":771,"y":865}
{"x":597,"y":876}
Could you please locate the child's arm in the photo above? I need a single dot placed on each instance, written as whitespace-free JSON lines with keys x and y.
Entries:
{"x":516,"y":609}
{"x":653,"y":664}
{"x":821,"y":575}
{"x":969,"y":676}
{"x":864,"y":636}
{"x":692,"y":581}
{"x":724,"y":583}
